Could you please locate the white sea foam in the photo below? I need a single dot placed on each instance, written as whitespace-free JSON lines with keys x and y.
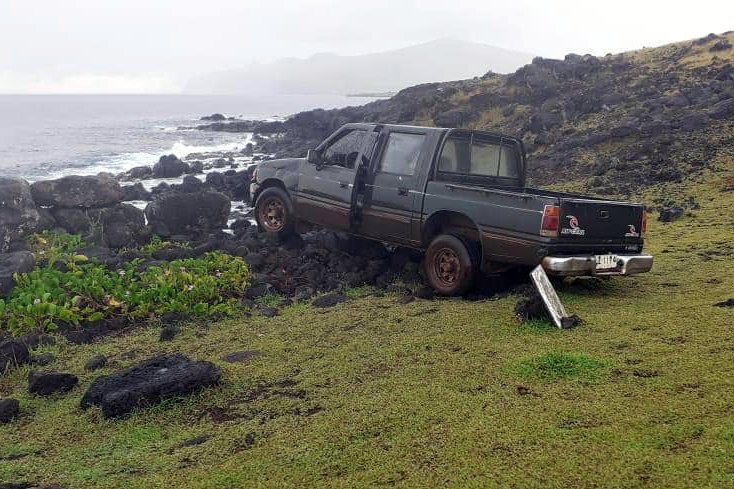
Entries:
{"x":125,"y":161}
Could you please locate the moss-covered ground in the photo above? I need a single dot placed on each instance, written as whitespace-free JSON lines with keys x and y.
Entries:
{"x":444,"y":393}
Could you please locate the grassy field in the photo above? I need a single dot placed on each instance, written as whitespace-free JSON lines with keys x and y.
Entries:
{"x":445,"y":393}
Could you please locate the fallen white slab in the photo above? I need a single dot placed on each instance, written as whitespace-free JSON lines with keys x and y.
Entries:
{"x":548,"y":293}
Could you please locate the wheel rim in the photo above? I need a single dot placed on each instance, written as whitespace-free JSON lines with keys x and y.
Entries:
{"x":272,"y":214}
{"x":447,"y":267}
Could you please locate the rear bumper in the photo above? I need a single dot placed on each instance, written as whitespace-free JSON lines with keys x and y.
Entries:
{"x":586,"y":265}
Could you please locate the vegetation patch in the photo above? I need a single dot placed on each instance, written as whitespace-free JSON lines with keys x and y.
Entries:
{"x":69,"y":290}
{"x":558,"y":365}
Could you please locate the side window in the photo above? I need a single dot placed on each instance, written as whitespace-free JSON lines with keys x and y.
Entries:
{"x":344,"y":150}
{"x":401,"y":153}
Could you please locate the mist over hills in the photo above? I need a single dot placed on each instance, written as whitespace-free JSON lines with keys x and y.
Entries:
{"x":389,"y":71}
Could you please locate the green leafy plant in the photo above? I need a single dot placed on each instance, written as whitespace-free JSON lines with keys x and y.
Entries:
{"x":48,"y":297}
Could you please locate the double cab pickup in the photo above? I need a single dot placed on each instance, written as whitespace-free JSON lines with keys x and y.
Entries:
{"x":458,"y":195}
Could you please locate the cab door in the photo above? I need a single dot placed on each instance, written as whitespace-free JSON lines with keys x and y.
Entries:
{"x":391,"y":186}
{"x":325,"y":190}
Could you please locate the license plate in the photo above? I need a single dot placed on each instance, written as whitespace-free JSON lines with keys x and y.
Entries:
{"x":605,"y":262}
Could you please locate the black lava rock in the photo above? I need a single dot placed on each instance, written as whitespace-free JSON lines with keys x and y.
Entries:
{"x":48,"y":383}
{"x":329,"y":300}
{"x":13,"y":352}
{"x":269,"y":312}
{"x":168,"y":333}
{"x":43,"y":359}
{"x":149,"y":383}
{"x":425,"y":293}
{"x":670,"y":214}
{"x":9,"y":409}
{"x":95,"y":363}
{"x":532,"y":308}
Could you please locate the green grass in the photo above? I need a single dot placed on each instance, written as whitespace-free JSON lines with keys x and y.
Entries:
{"x":428,"y":394}
{"x":559,"y":365}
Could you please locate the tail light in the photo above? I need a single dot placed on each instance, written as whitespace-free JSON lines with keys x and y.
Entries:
{"x":643,"y":228}
{"x":549,"y":224}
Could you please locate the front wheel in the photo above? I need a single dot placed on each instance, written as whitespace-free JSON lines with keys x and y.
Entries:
{"x":274,"y":212}
{"x":449,"y":265}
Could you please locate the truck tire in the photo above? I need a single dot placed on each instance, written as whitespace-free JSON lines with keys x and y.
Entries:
{"x":274,"y":212}
{"x":449,"y":265}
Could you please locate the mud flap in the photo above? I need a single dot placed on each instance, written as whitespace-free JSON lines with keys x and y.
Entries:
{"x":550,"y":298}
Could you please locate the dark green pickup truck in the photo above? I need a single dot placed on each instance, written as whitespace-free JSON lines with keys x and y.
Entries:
{"x":457,"y":194}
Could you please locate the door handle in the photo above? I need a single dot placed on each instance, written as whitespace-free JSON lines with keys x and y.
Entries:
{"x":402,"y":190}
{"x":343,"y":184}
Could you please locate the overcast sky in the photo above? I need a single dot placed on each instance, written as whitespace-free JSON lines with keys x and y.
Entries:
{"x":155,"y":45}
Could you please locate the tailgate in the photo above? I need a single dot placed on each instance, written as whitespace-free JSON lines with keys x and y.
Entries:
{"x":600,"y":220}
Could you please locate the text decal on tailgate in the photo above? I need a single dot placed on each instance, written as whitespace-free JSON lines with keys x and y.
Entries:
{"x":573,"y":227}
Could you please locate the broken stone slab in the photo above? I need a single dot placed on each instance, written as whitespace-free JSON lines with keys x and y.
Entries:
{"x":149,"y":383}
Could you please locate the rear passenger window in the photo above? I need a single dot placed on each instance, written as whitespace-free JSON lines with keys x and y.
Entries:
{"x":485,"y":158}
{"x":401,"y":153}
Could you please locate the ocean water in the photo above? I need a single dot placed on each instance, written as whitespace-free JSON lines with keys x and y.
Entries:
{"x":48,"y":136}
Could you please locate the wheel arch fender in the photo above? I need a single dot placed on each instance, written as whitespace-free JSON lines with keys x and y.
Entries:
{"x":456,"y":223}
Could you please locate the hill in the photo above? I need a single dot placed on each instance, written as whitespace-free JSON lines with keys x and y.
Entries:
{"x":389,"y":71}
{"x":614,"y":125}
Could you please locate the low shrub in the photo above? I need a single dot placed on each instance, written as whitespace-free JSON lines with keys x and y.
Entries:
{"x":80,"y":291}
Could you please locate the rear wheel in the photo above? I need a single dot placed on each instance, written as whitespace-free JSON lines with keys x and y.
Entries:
{"x":274,"y":213}
{"x":449,"y":265}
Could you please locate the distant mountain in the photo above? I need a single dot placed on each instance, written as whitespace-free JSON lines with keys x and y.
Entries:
{"x":440,"y":60}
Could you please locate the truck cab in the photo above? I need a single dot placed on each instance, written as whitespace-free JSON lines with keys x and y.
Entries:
{"x":459,"y":195}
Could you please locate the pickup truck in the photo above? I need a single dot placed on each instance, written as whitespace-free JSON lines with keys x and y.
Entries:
{"x":459,"y":195}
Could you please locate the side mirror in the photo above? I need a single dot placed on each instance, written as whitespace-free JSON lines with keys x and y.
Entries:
{"x":313,"y":157}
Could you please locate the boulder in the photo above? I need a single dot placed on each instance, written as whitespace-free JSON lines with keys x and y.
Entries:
{"x":135,"y":192}
{"x":95,"y":363}
{"x":191,"y":184}
{"x":170,"y":167}
{"x":77,"y":191}
{"x":329,"y":300}
{"x":197,"y":167}
{"x":73,"y":221}
{"x":188,"y":214}
{"x":48,"y":383}
{"x":43,"y":359}
{"x":9,"y":409}
{"x":117,"y":226}
{"x":149,"y":383}
{"x":13,"y":352}
{"x":11,"y":263}
{"x":140,"y":173}
{"x":670,"y":214}
{"x":122,"y":225}
{"x":18,"y":214}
